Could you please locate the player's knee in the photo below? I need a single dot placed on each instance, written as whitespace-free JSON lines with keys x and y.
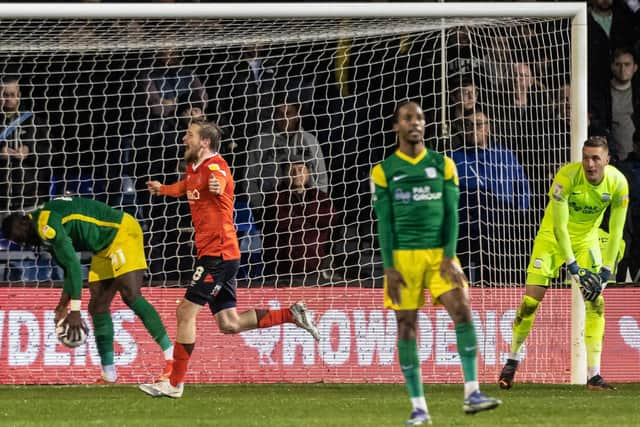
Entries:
{"x":529,"y":306}
{"x":460,"y":312}
{"x":229,"y":328}
{"x":97,"y":306}
{"x":129,"y":296}
{"x":461,"y":316}
{"x":183,"y":314}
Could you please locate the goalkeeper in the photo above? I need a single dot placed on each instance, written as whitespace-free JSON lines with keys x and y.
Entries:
{"x":69,"y":224}
{"x":579,"y":196}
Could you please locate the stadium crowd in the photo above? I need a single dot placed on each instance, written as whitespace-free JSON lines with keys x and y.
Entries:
{"x":302,"y":127}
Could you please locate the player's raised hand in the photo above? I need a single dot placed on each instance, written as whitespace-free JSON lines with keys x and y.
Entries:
{"x":154,"y":187}
{"x":214,"y":185}
{"x":394,"y":282}
{"x":451,"y":270}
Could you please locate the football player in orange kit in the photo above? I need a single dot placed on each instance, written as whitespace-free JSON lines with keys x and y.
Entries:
{"x":209,"y":188}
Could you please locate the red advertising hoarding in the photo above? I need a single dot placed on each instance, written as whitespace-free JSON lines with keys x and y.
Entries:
{"x":357,"y":346}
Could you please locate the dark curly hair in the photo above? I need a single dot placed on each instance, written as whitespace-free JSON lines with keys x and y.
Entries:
{"x":8,"y":223}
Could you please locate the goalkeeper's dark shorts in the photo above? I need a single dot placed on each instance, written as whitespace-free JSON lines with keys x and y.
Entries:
{"x":214,"y":283}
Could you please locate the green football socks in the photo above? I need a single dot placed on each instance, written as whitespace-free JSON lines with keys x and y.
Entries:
{"x":103,"y":333}
{"x":152,"y":322}
{"x":468,"y":350}
{"x":410,"y":366}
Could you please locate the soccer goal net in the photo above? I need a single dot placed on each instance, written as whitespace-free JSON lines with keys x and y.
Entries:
{"x":97,"y":106}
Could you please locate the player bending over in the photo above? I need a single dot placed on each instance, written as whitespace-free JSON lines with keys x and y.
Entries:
{"x":209,"y":188}
{"x":568,"y":234}
{"x":67,"y":225}
{"x":416,"y":201}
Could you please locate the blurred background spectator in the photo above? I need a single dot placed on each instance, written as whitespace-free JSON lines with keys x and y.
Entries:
{"x":24,"y":172}
{"x":298,"y":225}
{"x":494,"y":194}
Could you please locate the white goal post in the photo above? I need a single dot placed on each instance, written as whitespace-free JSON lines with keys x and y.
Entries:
{"x":85,"y":66}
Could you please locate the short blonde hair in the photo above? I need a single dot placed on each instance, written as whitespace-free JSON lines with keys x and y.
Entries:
{"x":211,"y":131}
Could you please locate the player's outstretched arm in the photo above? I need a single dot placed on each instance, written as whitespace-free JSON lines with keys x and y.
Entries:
{"x":156,"y":188}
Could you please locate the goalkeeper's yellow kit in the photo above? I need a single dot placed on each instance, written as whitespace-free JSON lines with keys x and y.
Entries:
{"x":572,"y":218}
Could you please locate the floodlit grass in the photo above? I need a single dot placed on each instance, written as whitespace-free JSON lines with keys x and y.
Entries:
{"x":323,"y":405}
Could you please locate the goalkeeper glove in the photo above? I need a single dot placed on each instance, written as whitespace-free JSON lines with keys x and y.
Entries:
{"x":590,"y":285}
{"x":592,"y":294}
{"x":605,"y":275}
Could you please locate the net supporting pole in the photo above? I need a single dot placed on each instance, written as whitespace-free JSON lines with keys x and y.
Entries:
{"x":578,"y":135}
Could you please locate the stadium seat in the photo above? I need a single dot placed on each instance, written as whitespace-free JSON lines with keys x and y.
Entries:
{"x":249,"y":239}
{"x":76,"y":184}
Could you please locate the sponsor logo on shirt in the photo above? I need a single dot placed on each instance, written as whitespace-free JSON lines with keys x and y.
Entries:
{"x":399,"y":177}
{"x":431,"y":172}
{"x":606,"y":197}
{"x":216,"y":168}
{"x":402,"y":196}
{"x":424,"y":193}
{"x":588,"y":210}
{"x":193,"y":195}
{"x":417,"y":194}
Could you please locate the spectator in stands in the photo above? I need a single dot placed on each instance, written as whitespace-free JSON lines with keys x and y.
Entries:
{"x":269,"y":151}
{"x":300,"y":221}
{"x":170,"y":84}
{"x":562,"y":107}
{"x":245,"y":88}
{"x":610,"y":25}
{"x":463,"y":102}
{"x":521,"y":124}
{"x":24,"y":180}
{"x":522,"y":112}
{"x":559,"y":134}
{"x":496,"y":62}
{"x":170,"y":226}
{"x":630,"y":167}
{"x":494,"y":192}
{"x":460,"y":59}
{"x":488,"y":167}
{"x":615,"y":109}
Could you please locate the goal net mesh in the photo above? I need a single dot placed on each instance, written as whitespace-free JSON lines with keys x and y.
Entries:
{"x":111,"y":99}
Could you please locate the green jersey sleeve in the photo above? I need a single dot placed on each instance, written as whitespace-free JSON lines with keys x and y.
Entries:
{"x":58,"y":242}
{"x":384,"y":214}
{"x":451,"y":196}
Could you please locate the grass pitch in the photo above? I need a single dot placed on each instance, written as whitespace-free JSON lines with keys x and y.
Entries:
{"x":323,"y":405}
